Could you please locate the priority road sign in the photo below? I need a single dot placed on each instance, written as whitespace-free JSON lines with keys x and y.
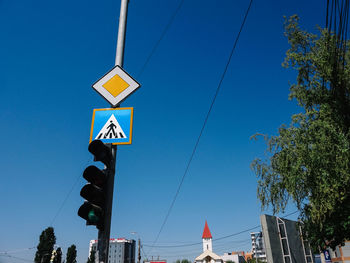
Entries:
{"x":115,"y":85}
{"x":112,"y":125}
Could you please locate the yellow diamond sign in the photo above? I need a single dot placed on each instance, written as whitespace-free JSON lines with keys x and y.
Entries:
{"x":116,"y":85}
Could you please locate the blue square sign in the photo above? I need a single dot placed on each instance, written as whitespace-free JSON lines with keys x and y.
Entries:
{"x":112,"y":125}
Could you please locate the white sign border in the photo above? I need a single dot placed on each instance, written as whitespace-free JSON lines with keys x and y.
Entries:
{"x":114,"y":101}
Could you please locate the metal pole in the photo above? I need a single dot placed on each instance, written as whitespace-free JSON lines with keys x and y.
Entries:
{"x":119,"y":58}
{"x":139,"y":252}
{"x":256,"y":249}
{"x":104,"y":235}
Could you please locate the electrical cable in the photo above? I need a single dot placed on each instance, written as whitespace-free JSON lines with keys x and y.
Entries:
{"x":65,"y":200}
{"x":218,"y":247}
{"x":220,"y":238}
{"x":198,"y":243}
{"x":138,"y":75}
{"x":144,"y":253}
{"x":173,"y":255}
{"x":203,"y":126}
{"x":171,"y":20}
{"x":15,"y":251}
{"x":23,"y":259}
{"x":221,"y":247}
{"x":67,"y":196}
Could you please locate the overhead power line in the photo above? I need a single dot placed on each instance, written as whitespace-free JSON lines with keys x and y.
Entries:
{"x":65,"y":200}
{"x":16,"y":250}
{"x":203,"y":126}
{"x":171,"y":20}
{"x":67,"y":196}
{"x":199,"y":243}
{"x":219,"y":238}
{"x":23,"y":259}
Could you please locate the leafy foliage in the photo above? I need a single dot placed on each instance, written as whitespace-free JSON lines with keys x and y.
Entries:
{"x":58,"y":257}
{"x":253,"y":260}
{"x":91,"y":258}
{"x":45,"y":247}
{"x":308,"y":162}
{"x":182,"y":261}
{"x":71,"y":254}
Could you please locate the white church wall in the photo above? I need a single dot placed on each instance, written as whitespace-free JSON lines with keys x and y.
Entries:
{"x":207,"y":244}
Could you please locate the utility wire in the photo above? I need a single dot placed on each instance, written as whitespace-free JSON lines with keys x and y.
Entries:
{"x":16,"y":251}
{"x":65,"y":199}
{"x":67,"y":196}
{"x":198,"y":243}
{"x":144,"y":254}
{"x":171,"y":20}
{"x":220,"y":238}
{"x":23,"y":259}
{"x":203,"y":126}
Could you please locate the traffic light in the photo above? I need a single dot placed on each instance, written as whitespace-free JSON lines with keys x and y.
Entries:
{"x":95,"y":194}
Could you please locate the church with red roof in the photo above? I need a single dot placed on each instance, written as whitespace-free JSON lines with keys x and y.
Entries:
{"x":208,"y":256}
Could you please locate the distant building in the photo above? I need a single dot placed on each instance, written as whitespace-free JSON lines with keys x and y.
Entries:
{"x":258,"y":248}
{"x":248,"y":256}
{"x":283,"y":241}
{"x":208,"y":256}
{"x":121,"y":250}
{"x":234,"y":257}
{"x":341,"y":254}
{"x":155,"y":261}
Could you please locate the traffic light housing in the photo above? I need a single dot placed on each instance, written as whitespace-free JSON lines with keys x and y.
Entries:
{"x":95,"y":194}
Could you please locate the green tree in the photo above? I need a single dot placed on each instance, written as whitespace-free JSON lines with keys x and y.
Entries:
{"x":58,"y":257}
{"x":308,"y":162}
{"x":71,"y":254}
{"x":91,"y":258}
{"x":47,"y":240}
{"x":182,"y":261}
{"x":253,"y":260}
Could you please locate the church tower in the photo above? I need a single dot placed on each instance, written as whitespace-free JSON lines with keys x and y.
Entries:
{"x":207,"y":244}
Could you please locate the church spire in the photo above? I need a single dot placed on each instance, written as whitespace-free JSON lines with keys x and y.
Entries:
{"x":206,"y":231}
{"x":206,"y":237}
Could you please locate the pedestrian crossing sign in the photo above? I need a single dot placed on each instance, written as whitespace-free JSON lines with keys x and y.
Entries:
{"x":112,"y":125}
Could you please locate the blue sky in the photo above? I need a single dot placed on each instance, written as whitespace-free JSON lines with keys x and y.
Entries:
{"x":53,"y":51}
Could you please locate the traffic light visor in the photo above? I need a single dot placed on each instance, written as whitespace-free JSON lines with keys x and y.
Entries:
{"x":101,"y":152}
{"x":94,"y":175}
{"x":93,"y":194}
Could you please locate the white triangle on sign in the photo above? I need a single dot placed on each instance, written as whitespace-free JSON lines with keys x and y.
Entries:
{"x":111,"y":130}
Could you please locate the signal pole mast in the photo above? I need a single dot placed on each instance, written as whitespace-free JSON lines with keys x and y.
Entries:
{"x":104,"y":234}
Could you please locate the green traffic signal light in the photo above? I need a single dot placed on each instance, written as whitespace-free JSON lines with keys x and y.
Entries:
{"x":93,"y":218}
{"x":92,"y":214}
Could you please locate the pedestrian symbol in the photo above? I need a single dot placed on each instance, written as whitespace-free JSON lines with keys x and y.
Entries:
{"x":111,"y":130}
{"x":112,"y":125}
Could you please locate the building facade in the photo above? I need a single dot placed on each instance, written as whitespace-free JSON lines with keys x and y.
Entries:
{"x":121,"y":250}
{"x":258,"y":248}
{"x":236,"y":257}
{"x":341,"y":254}
{"x":155,"y":261}
{"x":284,"y":241}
